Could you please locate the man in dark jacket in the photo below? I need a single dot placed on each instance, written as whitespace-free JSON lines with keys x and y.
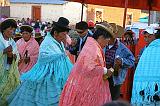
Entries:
{"x":76,"y":46}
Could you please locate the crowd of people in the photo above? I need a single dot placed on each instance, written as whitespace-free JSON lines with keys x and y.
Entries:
{"x":44,"y":73}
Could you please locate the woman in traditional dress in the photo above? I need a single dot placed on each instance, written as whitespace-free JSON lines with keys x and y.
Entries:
{"x":86,"y":85}
{"x":42,"y":85}
{"x":28,"y":49}
{"x":9,"y":75}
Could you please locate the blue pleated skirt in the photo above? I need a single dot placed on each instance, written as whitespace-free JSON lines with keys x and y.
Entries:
{"x":42,"y":85}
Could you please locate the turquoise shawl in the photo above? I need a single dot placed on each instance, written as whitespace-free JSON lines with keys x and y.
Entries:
{"x":52,"y":60}
{"x":147,"y":74}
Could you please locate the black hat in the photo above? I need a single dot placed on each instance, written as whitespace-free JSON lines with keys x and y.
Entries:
{"x":26,"y":28}
{"x":8,"y":23}
{"x":82,"y":25}
{"x":62,"y":23}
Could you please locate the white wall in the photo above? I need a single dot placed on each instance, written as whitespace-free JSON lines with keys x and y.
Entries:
{"x":51,"y":12}
{"x":72,"y":11}
{"x":20,"y":10}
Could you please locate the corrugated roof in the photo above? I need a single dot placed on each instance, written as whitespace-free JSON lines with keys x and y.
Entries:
{"x":39,"y":1}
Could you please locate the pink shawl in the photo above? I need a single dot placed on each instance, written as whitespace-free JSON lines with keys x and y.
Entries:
{"x":33,"y":49}
{"x":85,"y":85}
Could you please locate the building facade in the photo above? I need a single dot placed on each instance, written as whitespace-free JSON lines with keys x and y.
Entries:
{"x":4,"y":2}
{"x":46,"y":10}
{"x":112,"y":14}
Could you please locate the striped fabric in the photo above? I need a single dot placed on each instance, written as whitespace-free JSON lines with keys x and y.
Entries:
{"x":110,"y":55}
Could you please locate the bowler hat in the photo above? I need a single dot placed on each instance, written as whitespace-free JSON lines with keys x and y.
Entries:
{"x":106,"y":26}
{"x":62,"y":23}
{"x":26,"y":28}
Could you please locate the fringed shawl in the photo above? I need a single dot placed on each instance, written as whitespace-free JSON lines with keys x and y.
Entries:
{"x":147,"y":74}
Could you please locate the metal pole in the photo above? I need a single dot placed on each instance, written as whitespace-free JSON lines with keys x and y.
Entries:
{"x":82,"y":12}
{"x":150,"y":8}
{"x":125,"y":13}
{"x":149,"y":18}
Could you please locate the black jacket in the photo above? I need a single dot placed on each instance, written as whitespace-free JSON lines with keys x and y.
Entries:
{"x":75,"y":49}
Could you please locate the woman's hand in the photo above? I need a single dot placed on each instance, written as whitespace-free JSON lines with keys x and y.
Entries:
{"x":107,"y":73}
{"x":110,"y":72}
{"x":27,"y":60}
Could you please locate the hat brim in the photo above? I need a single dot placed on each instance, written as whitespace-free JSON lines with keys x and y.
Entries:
{"x":105,"y":28}
{"x":60,"y":26}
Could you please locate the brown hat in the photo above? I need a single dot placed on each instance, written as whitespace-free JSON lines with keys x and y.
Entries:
{"x":106,"y":26}
{"x":117,"y":30}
